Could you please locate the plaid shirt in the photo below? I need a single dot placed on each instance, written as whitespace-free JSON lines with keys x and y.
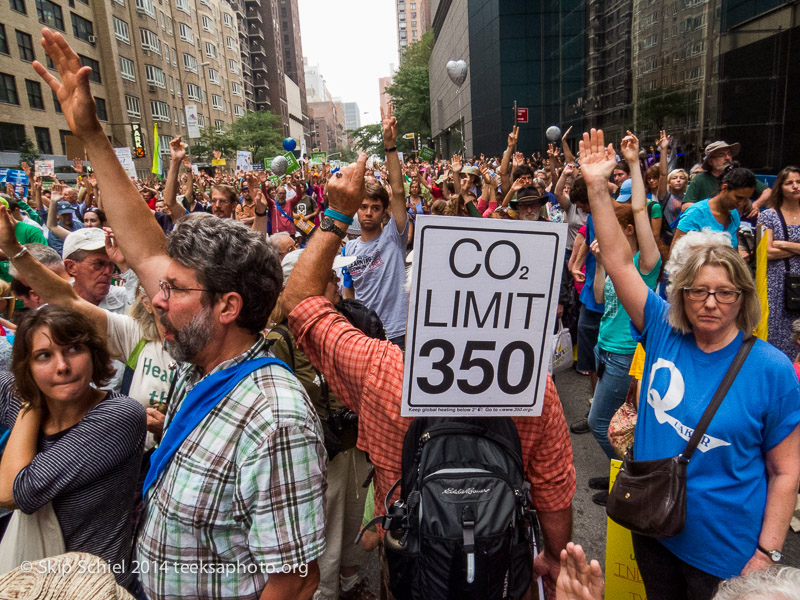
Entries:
{"x":243,"y":493}
{"x":367,"y":376}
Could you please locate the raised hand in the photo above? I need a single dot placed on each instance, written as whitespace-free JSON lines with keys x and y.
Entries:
{"x":77,"y":165}
{"x":629,"y":147}
{"x":664,"y":141}
{"x":389,"y":124}
{"x":10,"y":190}
{"x":26,"y":168}
{"x":177,"y":150}
{"x":73,"y":92}
{"x":113,"y":251}
{"x":517,"y":160}
{"x":597,"y":159}
{"x":8,"y":241}
{"x":455,"y":163}
{"x":569,"y":169}
{"x":513,"y":136}
{"x":346,"y":189}
{"x":57,"y":191}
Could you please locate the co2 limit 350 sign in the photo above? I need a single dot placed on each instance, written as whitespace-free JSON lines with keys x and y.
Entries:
{"x":481,"y":310}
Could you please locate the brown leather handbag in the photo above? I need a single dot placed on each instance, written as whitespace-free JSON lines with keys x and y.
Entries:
{"x":649,"y":496}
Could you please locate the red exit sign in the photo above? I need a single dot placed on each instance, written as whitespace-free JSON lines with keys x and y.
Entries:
{"x":522,"y":115}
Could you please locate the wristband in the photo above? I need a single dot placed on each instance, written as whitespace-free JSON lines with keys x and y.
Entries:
{"x":260,"y":214}
{"x":392,"y":149}
{"x":334,"y":214}
{"x":20,"y":254}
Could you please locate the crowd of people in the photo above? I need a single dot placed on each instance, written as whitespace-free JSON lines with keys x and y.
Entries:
{"x":205,"y":372}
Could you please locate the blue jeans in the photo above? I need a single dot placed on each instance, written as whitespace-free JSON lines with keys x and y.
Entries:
{"x":612,"y":386}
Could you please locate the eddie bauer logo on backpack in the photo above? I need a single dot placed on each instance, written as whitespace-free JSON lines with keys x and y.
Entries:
{"x":463,"y":527}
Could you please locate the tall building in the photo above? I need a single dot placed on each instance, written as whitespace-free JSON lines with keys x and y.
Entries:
{"x":531,"y":54}
{"x":240,"y":10}
{"x":293,"y":58}
{"x":352,"y":116}
{"x":148,"y":61}
{"x":316,"y":90}
{"x":413,"y":19}
{"x":328,"y":126}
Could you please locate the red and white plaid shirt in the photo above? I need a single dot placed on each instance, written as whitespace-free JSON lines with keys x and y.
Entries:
{"x":367,"y":376}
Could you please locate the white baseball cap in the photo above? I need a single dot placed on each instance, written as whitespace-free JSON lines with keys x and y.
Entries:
{"x":88,"y":238}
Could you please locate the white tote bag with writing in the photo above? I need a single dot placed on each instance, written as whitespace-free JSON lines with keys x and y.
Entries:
{"x":561,"y":357}
{"x":31,"y":537}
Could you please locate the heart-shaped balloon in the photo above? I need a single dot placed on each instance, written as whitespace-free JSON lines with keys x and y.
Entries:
{"x":279,"y":165}
{"x":457,"y":71}
{"x":553,"y":133}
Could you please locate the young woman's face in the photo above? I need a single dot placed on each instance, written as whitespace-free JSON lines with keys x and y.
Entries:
{"x":90,"y":219}
{"x":677,"y":181}
{"x":62,"y":373}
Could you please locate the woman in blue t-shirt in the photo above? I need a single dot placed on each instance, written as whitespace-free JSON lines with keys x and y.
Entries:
{"x":742,"y":483}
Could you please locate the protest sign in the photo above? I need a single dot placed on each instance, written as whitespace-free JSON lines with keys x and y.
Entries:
{"x":192,"y":121}
{"x":293,"y":164}
{"x":244,"y":161}
{"x":126,"y":160}
{"x":427,"y":154}
{"x":319,"y":158}
{"x":45,"y":168}
{"x":482,"y":309}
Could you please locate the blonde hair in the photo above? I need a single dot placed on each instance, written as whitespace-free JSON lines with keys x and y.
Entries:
{"x":687,"y":244}
{"x":728,"y":259}
{"x":678,"y":172}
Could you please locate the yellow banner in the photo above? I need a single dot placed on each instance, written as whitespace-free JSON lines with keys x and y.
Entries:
{"x":218,"y":162}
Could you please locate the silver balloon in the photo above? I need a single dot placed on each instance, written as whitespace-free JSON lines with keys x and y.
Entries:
{"x":457,"y":71}
{"x":553,"y":133}
{"x":279,"y":165}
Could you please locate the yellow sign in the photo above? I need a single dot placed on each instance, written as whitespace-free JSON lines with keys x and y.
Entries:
{"x":408,"y":136}
{"x":623,"y":580}
{"x":217,"y":162}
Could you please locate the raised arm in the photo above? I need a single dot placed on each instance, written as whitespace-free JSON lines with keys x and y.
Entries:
{"x":648,"y":249}
{"x":569,"y":157}
{"x":597,"y":164}
{"x":664,"y":142}
{"x":398,"y":197}
{"x":141,"y":239}
{"x":505,"y":175}
{"x":52,"y":213}
{"x":563,"y":199}
{"x":177,"y":153}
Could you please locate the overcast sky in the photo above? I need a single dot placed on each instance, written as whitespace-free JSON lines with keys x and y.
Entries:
{"x":354,"y":42}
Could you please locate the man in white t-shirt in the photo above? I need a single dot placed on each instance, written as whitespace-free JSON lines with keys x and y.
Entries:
{"x":379,"y":272}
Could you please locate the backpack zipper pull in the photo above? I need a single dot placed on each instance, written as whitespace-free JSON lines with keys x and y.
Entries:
{"x":468,"y":528}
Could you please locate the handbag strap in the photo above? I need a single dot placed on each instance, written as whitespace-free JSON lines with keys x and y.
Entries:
{"x":719,"y":396}
{"x":786,"y":262}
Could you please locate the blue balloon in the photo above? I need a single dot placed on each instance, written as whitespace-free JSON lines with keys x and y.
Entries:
{"x":289,"y":144}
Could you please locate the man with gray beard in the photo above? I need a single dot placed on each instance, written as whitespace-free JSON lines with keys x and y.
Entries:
{"x":233,"y":500}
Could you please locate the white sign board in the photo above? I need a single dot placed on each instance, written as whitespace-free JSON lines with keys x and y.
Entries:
{"x":126,"y":160}
{"x":192,"y":122}
{"x":482,"y":310}
{"x":45,"y":168}
{"x":244,"y":161}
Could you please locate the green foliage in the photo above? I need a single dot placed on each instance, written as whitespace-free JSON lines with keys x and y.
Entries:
{"x":28,"y":152}
{"x":369,"y":139}
{"x":260,"y":132}
{"x":654,"y":107}
{"x":410,"y":92}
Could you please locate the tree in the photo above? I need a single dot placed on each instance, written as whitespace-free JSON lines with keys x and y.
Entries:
{"x":654,"y":107}
{"x":28,"y":152}
{"x":369,"y":139}
{"x":260,"y":132}
{"x":410,"y":92}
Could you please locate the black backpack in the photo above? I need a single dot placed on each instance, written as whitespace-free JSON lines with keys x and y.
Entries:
{"x":463,"y":527}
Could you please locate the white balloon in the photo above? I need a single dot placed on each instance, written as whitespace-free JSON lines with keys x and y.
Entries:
{"x":279,"y":165}
{"x":457,"y":71}
{"x":553,"y":133}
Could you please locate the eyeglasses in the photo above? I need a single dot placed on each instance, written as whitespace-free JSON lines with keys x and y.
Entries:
{"x":220,"y":201}
{"x":721,"y":296}
{"x":166,"y":289}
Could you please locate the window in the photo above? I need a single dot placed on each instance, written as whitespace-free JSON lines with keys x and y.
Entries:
{"x":127,"y":69}
{"x":190,"y":63}
{"x":228,"y":20}
{"x":182,"y":5}
{"x":219,"y":125}
{"x":193,"y":92}
{"x":413,"y":23}
{"x":233,"y":66}
{"x":213,"y":76}
{"x":132,"y":104}
{"x":236,"y":89}
{"x":161,"y":20}
{"x":201,"y":120}
{"x":175,"y":115}
{"x":183,"y":121}
{"x":211,"y":50}
{"x":81,"y":28}
{"x":208,"y":24}
{"x":159,"y":110}
{"x":238,"y":110}
{"x":63,"y":133}
{"x":25,"y":45}
{"x":231,"y":43}
{"x":121,"y":31}
{"x":43,"y":140}
{"x":56,"y":103}
{"x":651,"y":40}
{"x":8,"y":89}
{"x":4,"y":39}
{"x":185,"y":33}
{"x":50,"y":14}
{"x":165,"y":48}
{"x":146,"y":6}
{"x":19,"y":6}
{"x":171,"y":85}
{"x":150,"y":41}
{"x":120,"y":2}
{"x":216,"y":101}
{"x":155,"y":76}
{"x":93,"y":65}
{"x":101,"y":108}
{"x":169,"y":25}
{"x":11,"y":137}
{"x":35,"y":99}
{"x":163,"y":142}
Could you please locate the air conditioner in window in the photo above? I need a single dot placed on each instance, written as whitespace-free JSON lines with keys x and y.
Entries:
{"x":92,"y":39}
{"x":151,"y":88}
{"x":146,"y":52}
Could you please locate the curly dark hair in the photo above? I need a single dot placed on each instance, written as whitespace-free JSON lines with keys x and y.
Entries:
{"x":66,"y":327}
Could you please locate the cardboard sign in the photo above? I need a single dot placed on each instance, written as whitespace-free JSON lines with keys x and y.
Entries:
{"x":274,"y":179}
{"x":482,"y":310}
{"x":427,"y":154}
{"x":319,"y":158}
{"x":126,"y":160}
{"x":138,"y":141}
{"x":15,"y":177}
{"x":192,"y":121}
{"x":45,"y":168}
{"x":622,"y":573}
{"x":293,"y":164}
{"x":244,"y":161}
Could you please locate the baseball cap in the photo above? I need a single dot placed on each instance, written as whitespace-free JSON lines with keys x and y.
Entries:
{"x":625,"y":191}
{"x":290,"y":260}
{"x":469,"y":170}
{"x":88,"y":238}
{"x":355,"y":227}
{"x":720,"y":145}
{"x":65,"y":207}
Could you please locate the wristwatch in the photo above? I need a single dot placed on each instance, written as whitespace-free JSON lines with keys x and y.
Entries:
{"x":775,"y":556}
{"x":327,"y":224}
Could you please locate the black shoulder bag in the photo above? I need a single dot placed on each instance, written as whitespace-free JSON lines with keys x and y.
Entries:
{"x":649,"y":496}
{"x":791,"y":281}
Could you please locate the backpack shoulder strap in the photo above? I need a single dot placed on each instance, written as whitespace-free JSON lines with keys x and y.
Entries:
{"x":283,"y":331}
